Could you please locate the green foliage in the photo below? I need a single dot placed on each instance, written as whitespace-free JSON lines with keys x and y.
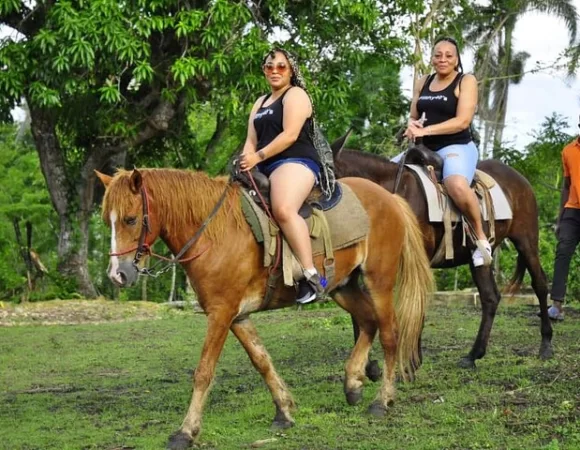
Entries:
{"x":102,"y":71}
{"x":103,"y":77}
{"x":83,"y":56}
{"x":23,"y":196}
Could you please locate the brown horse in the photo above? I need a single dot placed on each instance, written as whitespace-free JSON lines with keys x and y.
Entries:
{"x":225,"y":268}
{"x":522,"y":230}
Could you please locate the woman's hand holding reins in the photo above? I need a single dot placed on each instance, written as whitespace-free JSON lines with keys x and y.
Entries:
{"x":249,"y":160}
{"x":415,"y":130}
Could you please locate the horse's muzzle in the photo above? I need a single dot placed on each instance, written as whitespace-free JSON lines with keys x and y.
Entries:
{"x":125,"y":274}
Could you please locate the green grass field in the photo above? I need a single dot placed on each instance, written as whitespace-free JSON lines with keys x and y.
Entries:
{"x":126,"y":385}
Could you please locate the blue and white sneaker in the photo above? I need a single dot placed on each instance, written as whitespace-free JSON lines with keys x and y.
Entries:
{"x":310,"y":288}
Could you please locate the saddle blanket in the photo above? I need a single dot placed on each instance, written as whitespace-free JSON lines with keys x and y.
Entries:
{"x":348,"y":223}
{"x":501,"y":207}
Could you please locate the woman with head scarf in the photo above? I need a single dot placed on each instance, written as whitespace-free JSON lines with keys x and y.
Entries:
{"x":281,"y":142}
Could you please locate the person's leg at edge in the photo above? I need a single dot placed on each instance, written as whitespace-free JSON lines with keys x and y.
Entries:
{"x":290,"y":185}
{"x":568,"y":239}
{"x":459,"y":164}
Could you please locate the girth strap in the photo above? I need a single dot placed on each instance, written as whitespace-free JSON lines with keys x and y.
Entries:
{"x":328,"y":264}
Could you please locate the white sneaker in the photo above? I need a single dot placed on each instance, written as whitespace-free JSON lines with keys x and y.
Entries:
{"x":482,"y":254}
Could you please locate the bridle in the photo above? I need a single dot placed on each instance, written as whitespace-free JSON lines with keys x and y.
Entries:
{"x":143,"y":248}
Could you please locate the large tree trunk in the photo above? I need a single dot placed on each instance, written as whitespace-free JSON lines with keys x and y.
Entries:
{"x":72,"y":246}
{"x":73,"y":196}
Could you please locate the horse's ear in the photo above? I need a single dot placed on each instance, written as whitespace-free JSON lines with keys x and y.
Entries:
{"x":105,"y":179}
{"x":338,"y":145}
{"x":136,"y":181}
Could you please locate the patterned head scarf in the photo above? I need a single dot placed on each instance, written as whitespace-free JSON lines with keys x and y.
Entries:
{"x":452,"y":41}
{"x":297,"y":79}
{"x":322,"y":147}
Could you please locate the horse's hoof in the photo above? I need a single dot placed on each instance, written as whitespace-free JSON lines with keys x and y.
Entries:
{"x":373,"y":371}
{"x":280,"y":424}
{"x":354,"y":397}
{"x":377,"y":409}
{"x":179,"y":441}
{"x":466,"y":363}
{"x":546,"y":352}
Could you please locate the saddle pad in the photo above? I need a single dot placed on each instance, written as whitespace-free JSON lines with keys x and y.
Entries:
{"x":348,"y":223}
{"x":501,"y":206}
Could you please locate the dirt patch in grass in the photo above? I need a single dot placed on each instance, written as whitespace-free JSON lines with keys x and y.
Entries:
{"x":74,"y":312}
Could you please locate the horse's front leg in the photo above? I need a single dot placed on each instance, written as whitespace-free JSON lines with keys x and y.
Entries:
{"x":247,"y":334}
{"x":489,"y":296}
{"x":218,"y":325}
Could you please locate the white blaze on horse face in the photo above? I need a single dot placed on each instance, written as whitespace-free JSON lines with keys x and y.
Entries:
{"x":114,"y":263}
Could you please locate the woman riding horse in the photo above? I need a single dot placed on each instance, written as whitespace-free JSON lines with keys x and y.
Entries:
{"x":225,"y":267}
{"x":281,"y":142}
{"x":447,"y":100}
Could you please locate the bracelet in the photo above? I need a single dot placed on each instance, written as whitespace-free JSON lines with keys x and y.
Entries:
{"x":261,"y":155}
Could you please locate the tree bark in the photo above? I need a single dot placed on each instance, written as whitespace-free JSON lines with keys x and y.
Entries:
{"x":173,"y":281}
{"x":72,"y":258}
{"x":220,"y":127}
{"x":72,"y":247}
{"x":503,"y":84}
{"x":73,"y":195}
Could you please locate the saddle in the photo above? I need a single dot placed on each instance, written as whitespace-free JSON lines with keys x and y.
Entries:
{"x":257,"y":185}
{"x":420,"y":158}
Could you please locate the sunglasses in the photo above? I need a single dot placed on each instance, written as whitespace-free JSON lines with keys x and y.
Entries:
{"x":280,"y":67}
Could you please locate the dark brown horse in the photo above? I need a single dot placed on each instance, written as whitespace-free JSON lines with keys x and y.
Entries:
{"x":225,"y":267}
{"x":522,"y":230}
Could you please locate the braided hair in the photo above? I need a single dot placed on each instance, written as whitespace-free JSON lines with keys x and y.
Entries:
{"x":320,"y":143}
{"x":452,"y":41}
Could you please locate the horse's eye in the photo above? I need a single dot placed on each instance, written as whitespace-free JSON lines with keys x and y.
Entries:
{"x":131,"y":220}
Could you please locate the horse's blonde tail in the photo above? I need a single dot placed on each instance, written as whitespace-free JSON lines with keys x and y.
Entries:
{"x":415,"y":283}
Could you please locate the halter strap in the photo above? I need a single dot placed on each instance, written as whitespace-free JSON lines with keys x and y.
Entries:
{"x":143,"y":248}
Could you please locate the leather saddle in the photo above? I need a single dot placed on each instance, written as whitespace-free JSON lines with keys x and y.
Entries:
{"x":421,"y":155}
{"x":258,"y":186}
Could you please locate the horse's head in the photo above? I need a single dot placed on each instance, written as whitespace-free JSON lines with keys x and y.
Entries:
{"x":126,"y":209}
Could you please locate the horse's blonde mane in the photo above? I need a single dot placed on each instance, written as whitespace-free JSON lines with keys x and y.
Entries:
{"x":179,"y":199}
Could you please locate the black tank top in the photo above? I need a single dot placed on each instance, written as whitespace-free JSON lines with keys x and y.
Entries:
{"x":438,"y":107}
{"x":268,"y":123}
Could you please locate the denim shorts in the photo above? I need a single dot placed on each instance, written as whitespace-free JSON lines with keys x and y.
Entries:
{"x":463,"y":164}
{"x":268,"y":169}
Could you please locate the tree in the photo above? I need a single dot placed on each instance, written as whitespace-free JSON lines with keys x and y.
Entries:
{"x":497,"y":63}
{"x":105,"y":79}
{"x":23,"y":197}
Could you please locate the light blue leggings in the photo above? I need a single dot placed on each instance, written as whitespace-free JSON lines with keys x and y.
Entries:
{"x":458,"y":159}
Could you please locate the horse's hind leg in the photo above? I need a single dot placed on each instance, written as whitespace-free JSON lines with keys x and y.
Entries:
{"x":382,"y":296}
{"x":247,"y":334}
{"x":359,"y":304}
{"x":372,"y":369}
{"x":529,"y":254}
{"x":489,"y":297}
